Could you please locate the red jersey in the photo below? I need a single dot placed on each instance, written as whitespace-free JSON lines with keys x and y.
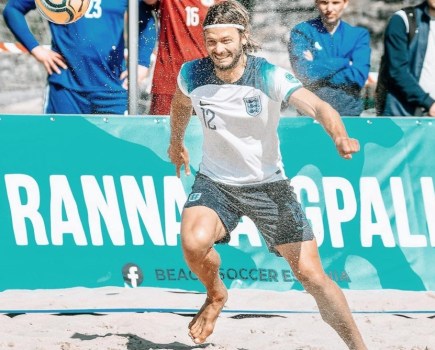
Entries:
{"x":180,"y":40}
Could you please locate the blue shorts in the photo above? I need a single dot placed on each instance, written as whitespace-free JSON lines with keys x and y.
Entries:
{"x":273,"y":207}
{"x":60,"y":100}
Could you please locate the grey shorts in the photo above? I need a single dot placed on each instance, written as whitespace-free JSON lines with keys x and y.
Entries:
{"x":273,"y":207}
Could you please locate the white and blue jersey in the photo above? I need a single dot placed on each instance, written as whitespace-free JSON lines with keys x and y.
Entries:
{"x":93,"y":46}
{"x":240,"y":119}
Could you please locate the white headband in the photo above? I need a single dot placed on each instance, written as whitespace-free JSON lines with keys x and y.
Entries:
{"x":223,"y":25}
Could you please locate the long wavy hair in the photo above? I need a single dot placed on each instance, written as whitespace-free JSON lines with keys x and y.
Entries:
{"x":232,"y":12}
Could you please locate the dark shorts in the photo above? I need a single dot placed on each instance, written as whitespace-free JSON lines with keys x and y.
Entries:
{"x":273,"y":207}
{"x":60,"y":100}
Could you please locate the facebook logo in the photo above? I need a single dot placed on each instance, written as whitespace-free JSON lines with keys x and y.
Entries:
{"x":132,"y":274}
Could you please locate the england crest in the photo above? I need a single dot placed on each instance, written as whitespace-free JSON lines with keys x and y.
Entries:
{"x":253,"y":105}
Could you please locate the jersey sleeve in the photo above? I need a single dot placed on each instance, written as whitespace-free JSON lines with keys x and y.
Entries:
{"x":147,"y":34}
{"x":182,"y":79}
{"x":281,"y":83}
{"x":14,"y":15}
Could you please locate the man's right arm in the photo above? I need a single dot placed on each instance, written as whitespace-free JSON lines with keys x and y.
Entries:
{"x":14,"y":15}
{"x":311,"y":105}
{"x":181,"y":111}
{"x":308,"y":63}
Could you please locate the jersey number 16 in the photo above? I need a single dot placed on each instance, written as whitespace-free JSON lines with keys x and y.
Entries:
{"x":192,"y":16}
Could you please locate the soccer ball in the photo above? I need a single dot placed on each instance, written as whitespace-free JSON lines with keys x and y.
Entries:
{"x":62,"y":11}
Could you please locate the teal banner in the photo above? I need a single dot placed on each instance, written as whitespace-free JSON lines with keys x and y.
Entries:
{"x":94,"y":201}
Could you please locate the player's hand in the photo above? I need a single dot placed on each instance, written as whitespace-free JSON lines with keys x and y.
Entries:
{"x":346,"y":146}
{"x":308,"y":55}
{"x":51,"y":60}
{"x":179,"y":155}
{"x":431,"y":111}
{"x":142,"y":74}
{"x":124,"y":79}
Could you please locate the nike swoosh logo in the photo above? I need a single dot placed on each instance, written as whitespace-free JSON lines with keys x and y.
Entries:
{"x":204,"y":104}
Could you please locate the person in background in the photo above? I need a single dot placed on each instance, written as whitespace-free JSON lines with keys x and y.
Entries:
{"x":180,"y":40}
{"x":86,"y":62}
{"x":331,"y":57}
{"x":237,"y":98}
{"x":406,"y":81}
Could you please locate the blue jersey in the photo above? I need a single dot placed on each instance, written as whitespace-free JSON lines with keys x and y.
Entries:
{"x":93,"y":46}
{"x":240,"y":120}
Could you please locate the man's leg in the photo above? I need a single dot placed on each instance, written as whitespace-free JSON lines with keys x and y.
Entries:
{"x":304,"y":260}
{"x":200,"y":229}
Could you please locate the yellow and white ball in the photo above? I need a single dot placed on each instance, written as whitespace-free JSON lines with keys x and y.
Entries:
{"x":62,"y":11}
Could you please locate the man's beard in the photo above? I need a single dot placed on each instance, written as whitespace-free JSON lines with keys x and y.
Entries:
{"x":233,"y":63}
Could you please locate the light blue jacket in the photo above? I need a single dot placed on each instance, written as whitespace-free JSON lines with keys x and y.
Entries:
{"x":340,"y":66}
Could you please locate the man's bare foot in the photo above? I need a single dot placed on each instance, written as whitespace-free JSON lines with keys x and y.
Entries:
{"x":203,"y":323}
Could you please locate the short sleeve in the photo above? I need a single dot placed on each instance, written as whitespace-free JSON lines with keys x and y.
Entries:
{"x":281,"y":83}
{"x":182,"y":79}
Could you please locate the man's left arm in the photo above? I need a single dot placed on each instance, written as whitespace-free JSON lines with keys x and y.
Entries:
{"x":146,"y":42}
{"x":308,"y":61}
{"x":147,"y":33}
{"x":358,"y":68}
{"x":147,"y":39}
{"x":311,"y":105}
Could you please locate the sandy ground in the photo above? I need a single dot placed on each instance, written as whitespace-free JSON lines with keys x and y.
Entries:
{"x":114,"y":318}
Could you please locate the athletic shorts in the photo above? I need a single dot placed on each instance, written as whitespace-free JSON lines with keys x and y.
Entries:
{"x":60,"y":100}
{"x":273,"y":207}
